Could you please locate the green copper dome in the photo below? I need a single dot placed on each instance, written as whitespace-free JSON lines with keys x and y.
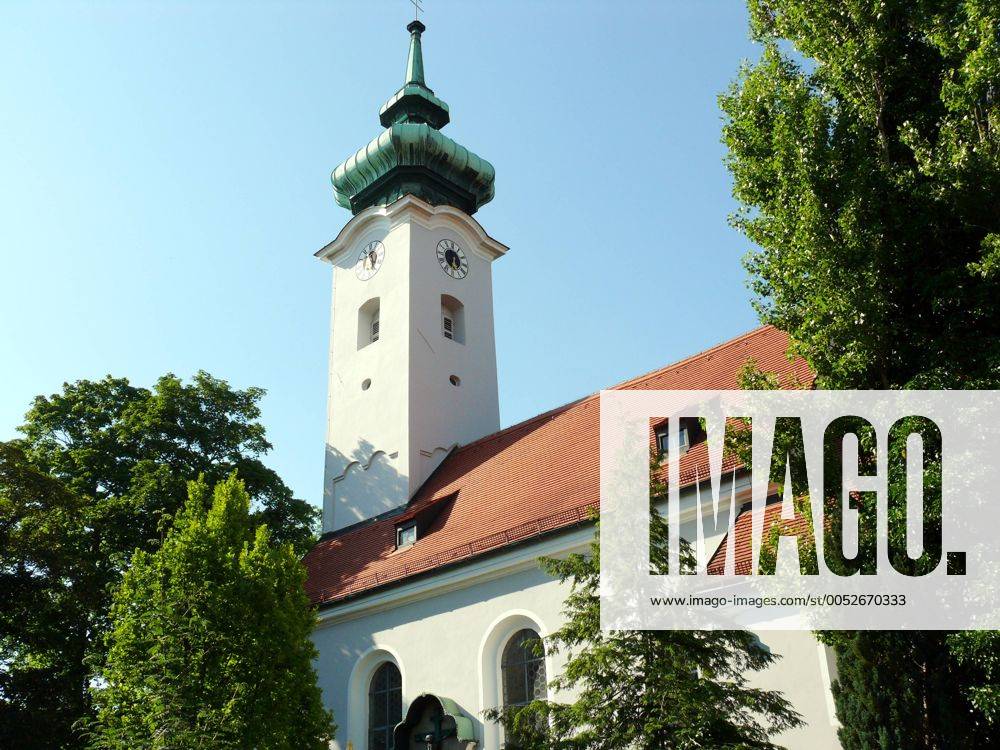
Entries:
{"x":411,"y":155}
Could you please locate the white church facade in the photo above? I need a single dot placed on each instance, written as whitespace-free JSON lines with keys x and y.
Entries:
{"x":426,"y":578}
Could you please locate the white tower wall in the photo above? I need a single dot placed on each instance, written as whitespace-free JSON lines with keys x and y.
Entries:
{"x":384,"y":441}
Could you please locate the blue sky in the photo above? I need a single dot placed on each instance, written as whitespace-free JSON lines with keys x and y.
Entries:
{"x":164,"y":182}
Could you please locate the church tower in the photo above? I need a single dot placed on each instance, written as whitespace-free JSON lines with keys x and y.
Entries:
{"x":412,"y":355}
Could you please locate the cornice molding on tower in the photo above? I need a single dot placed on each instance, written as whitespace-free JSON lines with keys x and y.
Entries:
{"x":410,"y":208}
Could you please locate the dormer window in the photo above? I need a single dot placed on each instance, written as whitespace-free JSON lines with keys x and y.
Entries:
{"x":662,"y":444}
{"x":406,"y":535}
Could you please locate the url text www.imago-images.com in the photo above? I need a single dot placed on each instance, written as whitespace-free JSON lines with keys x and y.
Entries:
{"x":800,"y":509}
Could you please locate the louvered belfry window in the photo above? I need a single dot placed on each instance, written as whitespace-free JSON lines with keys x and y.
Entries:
{"x":385,"y":706}
{"x":375,"y":330}
{"x":452,"y":319}
{"x":522,"y":668}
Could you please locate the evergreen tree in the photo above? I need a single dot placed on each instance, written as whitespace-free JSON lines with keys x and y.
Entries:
{"x":865,"y":151}
{"x":210,"y":640}
{"x":647,"y":689}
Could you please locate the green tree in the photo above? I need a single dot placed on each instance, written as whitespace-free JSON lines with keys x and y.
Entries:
{"x":124,"y":455}
{"x":865,"y":152}
{"x":47,"y":596}
{"x":869,"y":177}
{"x":647,"y":689}
{"x":210,"y":640}
{"x":980,"y":651}
{"x":132,"y":450}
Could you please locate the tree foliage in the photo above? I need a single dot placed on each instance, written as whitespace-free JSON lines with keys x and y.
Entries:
{"x":100,"y":473}
{"x":865,"y":152}
{"x":210,"y":640}
{"x":868,"y":174}
{"x":48,"y":597}
{"x":132,"y":450}
{"x":647,"y":689}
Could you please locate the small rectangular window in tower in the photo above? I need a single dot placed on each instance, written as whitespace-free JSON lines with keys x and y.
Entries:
{"x":406,"y":535}
{"x":368,"y":318}
{"x":452,"y":319}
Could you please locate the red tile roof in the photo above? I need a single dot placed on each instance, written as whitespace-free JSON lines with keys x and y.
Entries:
{"x":530,"y":479}
{"x":742,"y":546}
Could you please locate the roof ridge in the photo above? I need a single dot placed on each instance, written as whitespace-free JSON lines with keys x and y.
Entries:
{"x":524,"y":423}
{"x":691,"y":358}
{"x":619,"y":386}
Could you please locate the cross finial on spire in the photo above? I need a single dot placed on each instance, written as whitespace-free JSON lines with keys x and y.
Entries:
{"x":417,"y":7}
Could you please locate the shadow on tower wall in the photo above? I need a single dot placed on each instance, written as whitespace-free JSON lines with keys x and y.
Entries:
{"x":361,"y":485}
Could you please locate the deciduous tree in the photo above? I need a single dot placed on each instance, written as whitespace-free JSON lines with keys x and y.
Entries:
{"x":47,"y":597}
{"x":101,"y":471}
{"x":865,"y":151}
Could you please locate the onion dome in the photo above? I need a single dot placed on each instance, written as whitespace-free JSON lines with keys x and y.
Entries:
{"x":412,"y":155}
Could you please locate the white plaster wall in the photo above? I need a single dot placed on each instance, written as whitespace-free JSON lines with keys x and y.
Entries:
{"x":367,"y":428}
{"x":441,"y":414}
{"x":447,"y":645}
{"x":445,"y":633}
{"x":383,"y":442}
{"x":801,"y":674}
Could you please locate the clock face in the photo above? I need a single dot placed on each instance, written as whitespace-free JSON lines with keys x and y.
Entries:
{"x":369,"y":260}
{"x":452,"y":259}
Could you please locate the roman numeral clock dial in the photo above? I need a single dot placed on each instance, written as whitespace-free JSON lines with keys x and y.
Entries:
{"x":452,"y":259}
{"x":369,"y":260}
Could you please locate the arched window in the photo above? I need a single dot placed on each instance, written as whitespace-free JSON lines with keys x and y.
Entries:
{"x":522,"y":669}
{"x":385,"y":706}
